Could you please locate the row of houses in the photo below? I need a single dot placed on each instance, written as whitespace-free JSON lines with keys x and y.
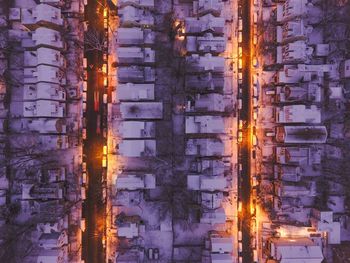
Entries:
{"x":42,"y":128}
{"x":135,"y":127}
{"x":209,"y":124}
{"x":294,"y":134}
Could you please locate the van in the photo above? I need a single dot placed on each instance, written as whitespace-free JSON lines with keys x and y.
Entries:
{"x":240,"y":24}
{"x":255,"y":17}
{"x":83,"y":192}
{"x":239,"y":236}
{"x":82,"y":224}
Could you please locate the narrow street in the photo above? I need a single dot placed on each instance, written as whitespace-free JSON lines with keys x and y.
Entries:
{"x":245,"y":149}
{"x":94,"y":206}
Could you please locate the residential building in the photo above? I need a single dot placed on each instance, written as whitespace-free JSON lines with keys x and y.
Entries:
{"x":205,"y":124}
{"x":208,"y":147}
{"x":301,"y":134}
{"x":204,"y":82}
{"x":208,"y":62}
{"x":44,"y":37}
{"x":44,"y":55}
{"x":209,"y":6}
{"x":44,"y":91}
{"x":298,"y":155}
{"x":141,"y":110}
{"x":292,"y":9}
{"x":308,"y":92}
{"x":138,"y":3}
{"x":298,"y":114}
{"x":50,"y":191}
{"x":41,"y":15}
{"x":137,"y":129}
{"x":134,"y":36}
{"x":213,"y":217}
{"x":135,"y":92}
{"x":130,"y":181}
{"x":44,"y":108}
{"x":130,"y":15}
{"x":205,"y":44}
{"x":44,"y":73}
{"x":137,"y":148}
{"x":286,"y":250}
{"x":206,"y":103}
{"x":135,"y":55}
{"x":136,"y":74}
{"x":203,"y":24}
{"x":199,"y":182}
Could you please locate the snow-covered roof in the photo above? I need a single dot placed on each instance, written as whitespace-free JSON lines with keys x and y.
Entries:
{"x":288,"y":173}
{"x":135,"y":181}
{"x":207,"y":147}
{"x":132,"y":15}
{"x":206,"y":43}
{"x":43,"y":108}
{"x":294,"y":52}
{"x":136,"y":74}
{"x":212,"y":217}
{"x":298,"y":155}
{"x":44,"y":55}
{"x":208,"y":62}
{"x":134,"y":36}
{"x":291,"y":189}
{"x":221,"y":258}
{"x":221,"y":244}
{"x":52,"y":255}
{"x":135,"y":55}
{"x":141,"y":110}
{"x":128,"y":230}
{"x":45,"y":37}
{"x":137,"y":148}
{"x":42,"y":13}
{"x":141,"y":3}
{"x":205,"y":124}
{"x":53,"y":240}
{"x":45,"y":91}
{"x":43,"y":125}
{"x":206,"y":81}
{"x":209,"y":6}
{"x":291,"y":9}
{"x":301,"y":134}
{"x":298,"y":114}
{"x":137,"y":129}
{"x":204,"y":23}
{"x":44,"y":73}
{"x":135,"y":92}
{"x":212,"y":102}
{"x":212,"y":200}
{"x":306,"y":93}
{"x":206,"y":183}
{"x":296,"y":250}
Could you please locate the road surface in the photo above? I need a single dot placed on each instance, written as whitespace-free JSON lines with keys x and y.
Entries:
{"x":94,"y":206}
{"x":246,"y":145}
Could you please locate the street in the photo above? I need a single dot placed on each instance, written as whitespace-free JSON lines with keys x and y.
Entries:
{"x":94,"y":206}
{"x":245,"y":149}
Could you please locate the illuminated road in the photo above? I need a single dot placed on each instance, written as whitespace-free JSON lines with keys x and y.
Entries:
{"x":245,"y":147}
{"x":94,"y":206}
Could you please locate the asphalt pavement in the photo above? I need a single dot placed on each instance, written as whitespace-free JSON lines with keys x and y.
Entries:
{"x":94,"y":205}
{"x":245,"y":148}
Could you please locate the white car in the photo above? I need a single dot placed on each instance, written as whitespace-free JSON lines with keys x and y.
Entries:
{"x":84,"y":178}
{"x":83,"y":193}
{"x":240,"y":24}
{"x":240,"y":37}
{"x":82,"y":224}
